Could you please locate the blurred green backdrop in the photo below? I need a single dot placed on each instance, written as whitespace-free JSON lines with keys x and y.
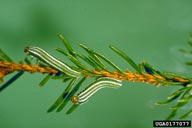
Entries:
{"x":151,"y":30}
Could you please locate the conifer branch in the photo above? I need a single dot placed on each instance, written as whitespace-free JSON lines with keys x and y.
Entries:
{"x":94,"y":65}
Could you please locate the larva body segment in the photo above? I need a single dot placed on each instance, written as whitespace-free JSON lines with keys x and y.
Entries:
{"x":52,"y":61}
{"x":103,"y":82}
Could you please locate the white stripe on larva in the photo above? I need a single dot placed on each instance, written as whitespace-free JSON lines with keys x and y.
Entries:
{"x":46,"y":57}
{"x":96,"y":86}
{"x":52,"y":61}
{"x":109,"y":78}
{"x":85,"y":97}
{"x":100,"y":85}
{"x":49,"y":60}
{"x":101,"y":81}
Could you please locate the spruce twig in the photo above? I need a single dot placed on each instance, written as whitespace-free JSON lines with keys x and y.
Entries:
{"x":94,"y":65}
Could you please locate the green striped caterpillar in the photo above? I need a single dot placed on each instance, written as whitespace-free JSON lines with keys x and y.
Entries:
{"x":100,"y":83}
{"x":51,"y":61}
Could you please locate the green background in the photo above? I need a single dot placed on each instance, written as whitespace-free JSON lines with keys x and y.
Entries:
{"x":151,"y":30}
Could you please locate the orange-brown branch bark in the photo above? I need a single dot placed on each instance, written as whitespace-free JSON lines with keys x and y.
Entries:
{"x":9,"y":67}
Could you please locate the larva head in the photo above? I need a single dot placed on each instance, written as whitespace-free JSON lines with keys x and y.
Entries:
{"x":26,"y":49}
{"x":74,"y":99}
